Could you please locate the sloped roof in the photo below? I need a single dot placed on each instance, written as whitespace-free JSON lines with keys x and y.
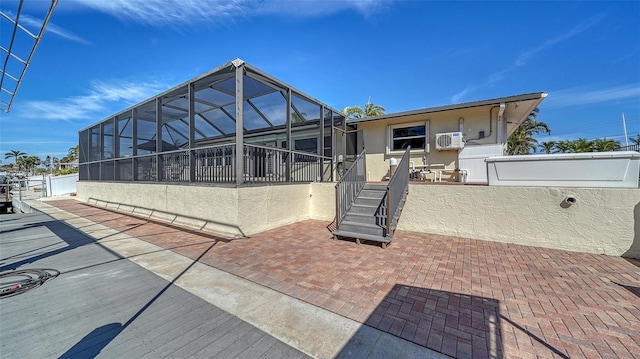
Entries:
{"x":535,"y":96}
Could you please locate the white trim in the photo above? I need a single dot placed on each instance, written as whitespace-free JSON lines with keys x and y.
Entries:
{"x":389,"y":140}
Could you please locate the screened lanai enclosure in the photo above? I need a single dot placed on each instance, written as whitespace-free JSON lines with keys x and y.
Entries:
{"x":234,"y":125}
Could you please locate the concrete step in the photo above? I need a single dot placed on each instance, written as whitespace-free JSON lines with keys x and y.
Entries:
{"x":363,"y":209}
{"x":362,"y":218}
{"x":362,"y":228}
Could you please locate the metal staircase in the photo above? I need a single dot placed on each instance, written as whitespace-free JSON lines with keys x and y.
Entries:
{"x":366,"y":211}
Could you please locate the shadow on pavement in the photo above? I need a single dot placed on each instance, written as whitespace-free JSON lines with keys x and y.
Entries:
{"x":67,"y":234}
{"x":458,"y":325}
{"x":92,"y":344}
{"x":632,"y":289}
{"x":455,"y":324}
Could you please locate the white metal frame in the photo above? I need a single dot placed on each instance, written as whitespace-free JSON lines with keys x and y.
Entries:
{"x":9,"y":83}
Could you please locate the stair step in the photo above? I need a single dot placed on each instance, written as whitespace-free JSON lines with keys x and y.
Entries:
{"x":363,"y":208}
{"x":368,"y":201}
{"x":362,"y":228}
{"x":361,"y":236}
{"x":361,"y":218}
{"x":375,"y":186}
{"x":372,"y":193}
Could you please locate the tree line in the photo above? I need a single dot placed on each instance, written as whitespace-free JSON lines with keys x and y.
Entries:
{"x":523,"y":142}
{"x":34,"y":164}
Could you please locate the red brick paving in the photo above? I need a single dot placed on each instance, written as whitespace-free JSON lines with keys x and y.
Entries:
{"x":465,"y":298}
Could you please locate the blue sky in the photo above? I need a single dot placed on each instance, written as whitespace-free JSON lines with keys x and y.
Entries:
{"x":100,"y":57}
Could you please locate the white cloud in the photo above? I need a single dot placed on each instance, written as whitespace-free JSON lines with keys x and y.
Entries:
{"x":580,"y":96}
{"x":57,"y":30}
{"x":95,"y":103}
{"x":526,"y":56}
{"x":185,"y":12}
{"x":33,"y":22}
{"x":460,"y":95}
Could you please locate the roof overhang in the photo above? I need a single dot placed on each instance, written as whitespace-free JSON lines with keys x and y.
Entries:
{"x":518,"y":108}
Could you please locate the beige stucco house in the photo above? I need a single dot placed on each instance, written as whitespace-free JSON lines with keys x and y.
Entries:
{"x":236,"y":151}
{"x":450,"y":141}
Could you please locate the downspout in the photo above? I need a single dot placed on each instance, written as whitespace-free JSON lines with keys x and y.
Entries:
{"x":490,"y":122}
{"x":501,"y":127}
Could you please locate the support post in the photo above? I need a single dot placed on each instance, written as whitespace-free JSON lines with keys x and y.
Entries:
{"x":239,"y":165}
{"x":321,"y":144}
{"x":192,"y":132}
{"x":134,"y":163}
{"x":158,"y":139}
{"x":289,"y":140}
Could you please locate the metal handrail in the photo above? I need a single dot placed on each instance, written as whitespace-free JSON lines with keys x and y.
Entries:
{"x":204,"y":148}
{"x":397,"y":188}
{"x":272,"y":164}
{"x":629,"y":148}
{"x":349,"y":186}
{"x":287,"y":150}
{"x":175,"y":165}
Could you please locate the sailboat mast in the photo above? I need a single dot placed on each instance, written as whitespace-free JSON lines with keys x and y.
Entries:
{"x":624,"y":126}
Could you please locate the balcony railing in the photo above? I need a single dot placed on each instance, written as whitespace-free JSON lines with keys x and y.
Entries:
{"x":213,"y":164}
{"x":629,"y":148}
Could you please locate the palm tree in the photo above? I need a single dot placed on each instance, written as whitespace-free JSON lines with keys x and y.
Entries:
{"x":635,"y":141}
{"x":604,"y":145}
{"x":48,"y":164}
{"x":27,"y":163}
{"x":547,"y":147}
{"x":521,"y":141}
{"x":369,"y":110}
{"x":15,"y":154}
{"x":563,"y":146}
{"x":581,"y":145}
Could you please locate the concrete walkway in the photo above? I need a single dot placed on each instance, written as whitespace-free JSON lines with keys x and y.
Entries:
{"x":103,"y":305}
{"x":309,"y":328}
{"x":465,"y":298}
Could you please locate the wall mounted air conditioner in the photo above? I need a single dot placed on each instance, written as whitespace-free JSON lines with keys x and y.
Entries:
{"x":449,"y":141}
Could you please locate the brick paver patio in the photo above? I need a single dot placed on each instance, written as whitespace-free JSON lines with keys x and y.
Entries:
{"x":465,"y":298}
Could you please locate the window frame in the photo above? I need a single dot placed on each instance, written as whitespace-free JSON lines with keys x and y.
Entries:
{"x":390,"y":128}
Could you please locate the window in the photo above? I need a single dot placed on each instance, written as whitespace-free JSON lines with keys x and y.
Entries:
{"x":416,"y":135}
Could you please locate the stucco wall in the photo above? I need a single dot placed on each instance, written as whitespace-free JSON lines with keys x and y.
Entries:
{"x":603,"y":221}
{"x":323,"y":201}
{"x":474,"y":121}
{"x":265,"y":207}
{"x":197,"y":206}
{"x":225,"y":210}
